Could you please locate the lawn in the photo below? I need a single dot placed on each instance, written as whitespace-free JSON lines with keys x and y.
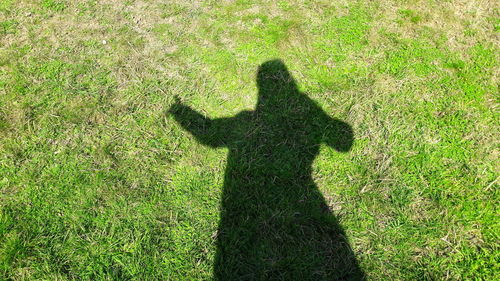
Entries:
{"x":249,"y":140}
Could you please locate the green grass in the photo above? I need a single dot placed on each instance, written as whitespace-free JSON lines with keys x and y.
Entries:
{"x":99,"y":181}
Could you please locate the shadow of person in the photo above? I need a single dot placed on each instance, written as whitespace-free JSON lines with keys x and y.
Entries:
{"x":274,"y":222}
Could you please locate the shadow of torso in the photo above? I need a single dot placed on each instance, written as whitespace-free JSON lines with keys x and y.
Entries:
{"x":275,"y":224}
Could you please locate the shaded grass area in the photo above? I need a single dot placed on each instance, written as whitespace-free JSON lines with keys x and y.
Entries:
{"x":98,"y":182}
{"x":274,"y":223}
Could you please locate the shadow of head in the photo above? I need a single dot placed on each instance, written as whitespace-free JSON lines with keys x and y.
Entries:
{"x":273,"y":78}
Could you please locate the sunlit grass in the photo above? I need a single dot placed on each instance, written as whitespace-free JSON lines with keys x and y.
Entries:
{"x":98,"y":182}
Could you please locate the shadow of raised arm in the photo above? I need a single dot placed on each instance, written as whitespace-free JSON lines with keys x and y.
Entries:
{"x":205,"y":130}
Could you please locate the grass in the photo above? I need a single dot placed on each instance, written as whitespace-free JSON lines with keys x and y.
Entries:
{"x":99,"y":181}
